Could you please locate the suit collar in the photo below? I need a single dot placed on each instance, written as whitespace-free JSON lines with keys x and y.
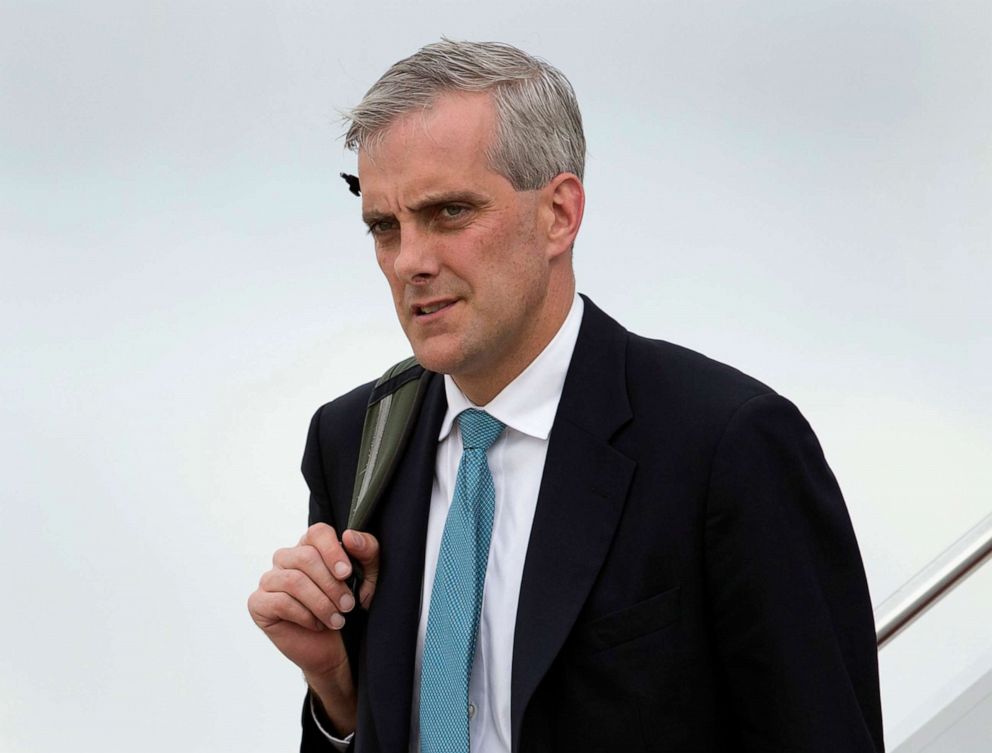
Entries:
{"x":595,"y":393}
{"x":582,"y":495}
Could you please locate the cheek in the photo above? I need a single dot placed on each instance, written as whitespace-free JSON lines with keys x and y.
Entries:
{"x":383,"y":260}
{"x":520,"y":269}
{"x":386,"y":266}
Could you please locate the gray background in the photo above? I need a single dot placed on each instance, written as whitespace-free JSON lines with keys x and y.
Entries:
{"x":801,"y":189}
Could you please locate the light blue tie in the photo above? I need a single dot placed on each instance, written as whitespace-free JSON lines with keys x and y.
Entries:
{"x":453,"y":618}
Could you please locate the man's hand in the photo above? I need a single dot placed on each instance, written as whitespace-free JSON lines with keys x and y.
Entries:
{"x":301,"y":605}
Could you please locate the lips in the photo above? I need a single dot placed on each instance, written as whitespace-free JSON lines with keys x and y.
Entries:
{"x":428,"y":308}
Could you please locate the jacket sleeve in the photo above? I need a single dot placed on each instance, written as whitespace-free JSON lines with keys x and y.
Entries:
{"x":791,"y":617}
{"x":315,"y":738}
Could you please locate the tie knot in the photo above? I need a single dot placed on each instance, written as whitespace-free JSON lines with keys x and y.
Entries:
{"x":479,"y":429}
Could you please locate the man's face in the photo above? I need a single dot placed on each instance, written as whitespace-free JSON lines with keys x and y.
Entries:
{"x":461,"y":249}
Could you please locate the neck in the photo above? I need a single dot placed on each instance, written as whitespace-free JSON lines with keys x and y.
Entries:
{"x":482,"y":388}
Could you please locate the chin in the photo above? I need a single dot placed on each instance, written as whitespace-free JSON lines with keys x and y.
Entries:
{"x":439,"y":360}
{"x":447,"y":358}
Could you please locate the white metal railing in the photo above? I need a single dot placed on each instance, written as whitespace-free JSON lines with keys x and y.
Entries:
{"x":933,"y":582}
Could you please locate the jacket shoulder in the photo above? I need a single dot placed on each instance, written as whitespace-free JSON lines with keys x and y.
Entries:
{"x":700,"y":383}
{"x":343,"y":412}
{"x":330,"y":456}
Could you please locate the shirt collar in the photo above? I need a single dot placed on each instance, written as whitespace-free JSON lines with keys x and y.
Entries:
{"x":527,"y":404}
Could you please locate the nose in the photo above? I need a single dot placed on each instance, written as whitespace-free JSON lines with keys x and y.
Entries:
{"x":417,"y":260}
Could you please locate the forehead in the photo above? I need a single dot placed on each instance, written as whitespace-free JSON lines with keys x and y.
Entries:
{"x":443,"y":147}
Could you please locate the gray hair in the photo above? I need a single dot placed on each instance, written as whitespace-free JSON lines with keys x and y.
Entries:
{"x":538,"y":124}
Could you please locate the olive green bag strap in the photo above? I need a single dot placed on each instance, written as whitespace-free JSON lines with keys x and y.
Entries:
{"x":389,"y":420}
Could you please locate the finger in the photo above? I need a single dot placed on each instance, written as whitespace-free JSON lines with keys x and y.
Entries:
{"x":268,"y":609}
{"x":324,"y":539}
{"x":308,"y":560}
{"x":313,"y":529}
{"x":296,"y":584}
{"x":364,"y":547}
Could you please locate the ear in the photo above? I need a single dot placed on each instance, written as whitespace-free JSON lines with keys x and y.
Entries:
{"x":566,"y":200}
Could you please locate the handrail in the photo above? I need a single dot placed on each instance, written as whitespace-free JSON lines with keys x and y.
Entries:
{"x":933,"y":582}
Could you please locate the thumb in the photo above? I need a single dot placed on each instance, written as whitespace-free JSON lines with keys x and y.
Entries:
{"x":364,"y":549}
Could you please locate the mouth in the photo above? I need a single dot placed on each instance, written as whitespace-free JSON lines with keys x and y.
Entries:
{"x":430,"y":308}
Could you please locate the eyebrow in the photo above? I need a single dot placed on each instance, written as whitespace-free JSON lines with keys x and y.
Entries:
{"x":430,"y":200}
{"x":448,"y":197}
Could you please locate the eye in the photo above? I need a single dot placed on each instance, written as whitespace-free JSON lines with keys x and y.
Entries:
{"x":381,"y":227}
{"x":453,"y":211}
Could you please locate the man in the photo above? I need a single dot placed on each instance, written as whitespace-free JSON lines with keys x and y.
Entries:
{"x":646,"y":551}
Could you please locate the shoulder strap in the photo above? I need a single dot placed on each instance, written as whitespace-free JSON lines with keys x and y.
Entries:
{"x":389,"y":419}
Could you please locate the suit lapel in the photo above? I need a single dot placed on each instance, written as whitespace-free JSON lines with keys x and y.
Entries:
{"x":582,"y":495}
{"x":391,"y":635}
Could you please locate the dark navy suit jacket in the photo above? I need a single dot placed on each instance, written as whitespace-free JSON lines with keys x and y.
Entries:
{"x":692,"y":580}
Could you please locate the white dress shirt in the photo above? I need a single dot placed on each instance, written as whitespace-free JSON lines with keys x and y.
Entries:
{"x":516,"y":460}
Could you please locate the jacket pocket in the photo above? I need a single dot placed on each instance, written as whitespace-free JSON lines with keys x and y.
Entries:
{"x":631,"y":622}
